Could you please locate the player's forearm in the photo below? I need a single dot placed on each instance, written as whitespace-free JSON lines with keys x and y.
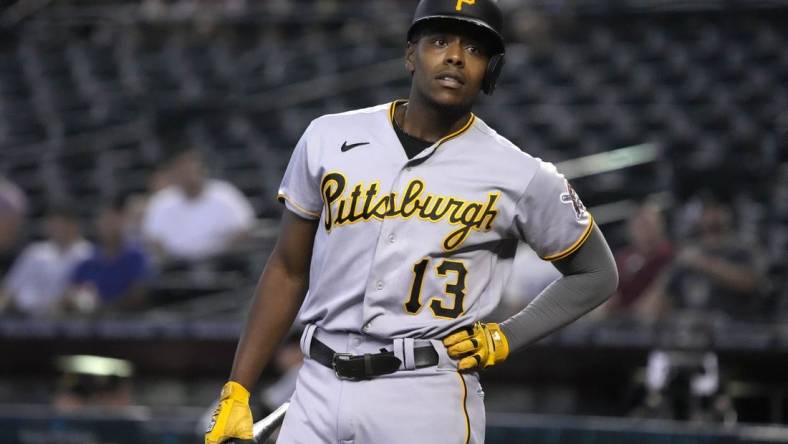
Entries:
{"x":590,"y":277}
{"x":277,"y":298}
{"x":276,"y":302}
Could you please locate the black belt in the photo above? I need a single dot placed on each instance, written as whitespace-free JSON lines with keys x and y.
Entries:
{"x":367,"y":366}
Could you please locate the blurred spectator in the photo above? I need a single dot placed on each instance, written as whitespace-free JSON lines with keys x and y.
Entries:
{"x":137,"y":203}
{"x":134,"y":214}
{"x":117,"y":273}
{"x":642,"y":263}
{"x":714,"y":271}
{"x":13,"y":207}
{"x":38,"y":280}
{"x":196,"y":218}
{"x":160,"y":178}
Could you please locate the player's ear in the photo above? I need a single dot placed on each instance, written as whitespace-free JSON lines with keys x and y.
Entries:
{"x":410,"y":56}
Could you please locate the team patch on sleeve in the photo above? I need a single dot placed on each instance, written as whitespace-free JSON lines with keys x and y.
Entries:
{"x":571,"y":197}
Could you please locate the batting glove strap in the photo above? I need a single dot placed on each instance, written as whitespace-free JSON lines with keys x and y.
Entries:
{"x":232,"y":417}
{"x":480,"y":346}
{"x":499,"y":345}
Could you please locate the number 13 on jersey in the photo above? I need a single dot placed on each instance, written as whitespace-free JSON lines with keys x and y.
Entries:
{"x":454,"y":290}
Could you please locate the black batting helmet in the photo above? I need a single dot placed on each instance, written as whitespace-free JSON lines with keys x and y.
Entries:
{"x":484,"y":14}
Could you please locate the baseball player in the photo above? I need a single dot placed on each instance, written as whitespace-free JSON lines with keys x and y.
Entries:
{"x":400,"y":228}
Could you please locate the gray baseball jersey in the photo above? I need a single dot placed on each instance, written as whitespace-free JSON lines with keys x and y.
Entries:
{"x":417,"y":248}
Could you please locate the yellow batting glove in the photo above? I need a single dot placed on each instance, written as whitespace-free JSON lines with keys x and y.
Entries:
{"x":232,"y":418}
{"x":480,"y":346}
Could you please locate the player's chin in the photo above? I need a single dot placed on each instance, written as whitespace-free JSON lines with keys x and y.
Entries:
{"x":453,"y":98}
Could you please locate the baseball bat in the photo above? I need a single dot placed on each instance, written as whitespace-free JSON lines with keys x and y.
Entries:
{"x":263,"y":428}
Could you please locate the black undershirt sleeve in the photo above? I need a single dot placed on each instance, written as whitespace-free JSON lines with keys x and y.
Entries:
{"x":589,"y":279}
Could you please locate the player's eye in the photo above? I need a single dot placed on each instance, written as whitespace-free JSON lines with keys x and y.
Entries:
{"x":440,"y":41}
{"x":473,"y":49}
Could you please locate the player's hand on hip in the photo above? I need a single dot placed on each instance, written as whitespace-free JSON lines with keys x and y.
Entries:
{"x":232,"y":417}
{"x":480,"y":346}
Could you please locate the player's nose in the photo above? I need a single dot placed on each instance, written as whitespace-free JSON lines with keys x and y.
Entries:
{"x":454,"y":54}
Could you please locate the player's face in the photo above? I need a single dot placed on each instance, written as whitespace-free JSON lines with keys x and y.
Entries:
{"x":448,"y":66}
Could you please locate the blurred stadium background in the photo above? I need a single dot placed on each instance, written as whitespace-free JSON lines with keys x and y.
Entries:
{"x":670,"y":116}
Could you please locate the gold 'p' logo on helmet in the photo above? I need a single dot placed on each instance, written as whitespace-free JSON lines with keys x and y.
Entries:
{"x":460,"y":2}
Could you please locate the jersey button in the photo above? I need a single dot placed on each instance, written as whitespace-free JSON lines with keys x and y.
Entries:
{"x":379,"y":285}
{"x":392,"y":238}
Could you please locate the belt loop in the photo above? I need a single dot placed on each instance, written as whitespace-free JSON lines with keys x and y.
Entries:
{"x":398,"y":347}
{"x":408,"y":361}
{"x":306,"y":339}
{"x":367,"y":365}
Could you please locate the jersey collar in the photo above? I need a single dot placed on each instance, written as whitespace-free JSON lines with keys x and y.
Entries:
{"x":393,"y":107}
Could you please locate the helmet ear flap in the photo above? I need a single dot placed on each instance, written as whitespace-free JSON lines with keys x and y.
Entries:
{"x":494,"y":68}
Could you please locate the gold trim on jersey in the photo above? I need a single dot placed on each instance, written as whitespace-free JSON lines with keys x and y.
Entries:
{"x":281,"y":197}
{"x":464,"y":128}
{"x":578,"y":243}
{"x":393,"y":108}
{"x":363,"y":203}
{"x":465,"y":409}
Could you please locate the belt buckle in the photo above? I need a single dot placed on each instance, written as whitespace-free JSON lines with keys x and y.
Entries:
{"x":342,"y":357}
